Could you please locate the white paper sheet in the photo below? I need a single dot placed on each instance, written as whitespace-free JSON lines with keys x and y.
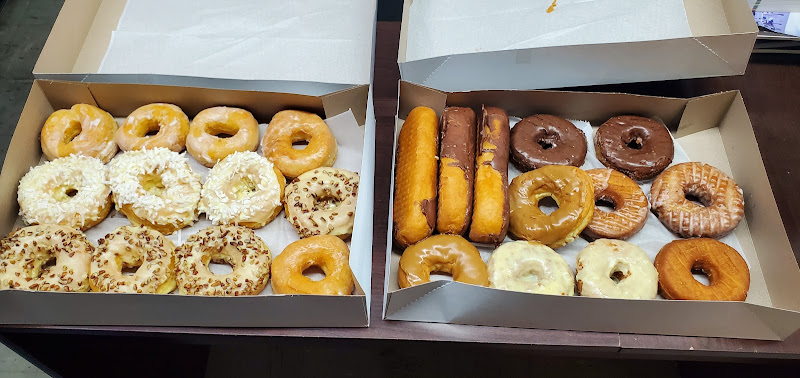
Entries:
{"x":305,"y":40}
{"x":446,"y":27}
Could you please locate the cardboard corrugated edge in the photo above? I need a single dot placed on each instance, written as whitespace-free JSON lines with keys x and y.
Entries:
{"x":442,"y":301}
{"x":24,"y":307}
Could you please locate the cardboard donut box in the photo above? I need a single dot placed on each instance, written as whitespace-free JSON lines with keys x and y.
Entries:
{"x":714,"y":129}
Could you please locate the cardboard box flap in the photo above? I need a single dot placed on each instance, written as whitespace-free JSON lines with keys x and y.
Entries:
{"x":445,"y":303}
{"x":403,"y":300}
{"x":339,"y":102}
{"x":704,"y":112}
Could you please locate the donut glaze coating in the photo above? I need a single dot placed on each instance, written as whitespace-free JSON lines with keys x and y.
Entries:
{"x":545,"y":139}
{"x":636,"y":146}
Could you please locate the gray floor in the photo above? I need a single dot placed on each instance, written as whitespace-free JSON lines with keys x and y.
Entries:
{"x":24,"y":27}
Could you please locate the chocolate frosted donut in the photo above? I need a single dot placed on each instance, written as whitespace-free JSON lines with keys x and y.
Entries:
{"x":636,"y":146}
{"x":544,"y":139}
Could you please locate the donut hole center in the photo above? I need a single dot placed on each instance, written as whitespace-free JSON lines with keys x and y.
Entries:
{"x":300,"y":140}
{"x":45,"y":263}
{"x":72,"y":131}
{"x":300,"y":145}
{"x":64,"y":193}
{"x":129,"y":270}
{"x":325,"y":201}
{"x":548,"y":205}
{"x":700,"y":275}
{"x":696,"y":197}
{"x":128,"y":264}
{"x":245,"y":188}
{"x":605,"y":204}
{"x":220,"y":130}
{"x":150,"y":127}
{"x":220,"y":264}
{"x":314,"y":273}
{"x":635,"y":143}
{"x":546,"y":144}
{"x":620,"y":272}
{"x":152,"y":183}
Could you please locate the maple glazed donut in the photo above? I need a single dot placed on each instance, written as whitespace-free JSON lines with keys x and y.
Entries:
{"x":244,"y":189}
{"x":634,"y":276}
{"x":26,"y":251}
{"x":572,"y":190}
{"x":237,"y":246}
{"x":728,"y":274}
{"x":220,"y":131}
{"x":639,"y":147}
{"x":323,"y":202}
{"x":530,"y":267}
{"x":444,"y":254}
{"x":169,"y":121}
{"x":71,"y":191}
{"x":630,"y":206}
{"x":722,"y":200}
{"x":82,"y":130}
{"x":291,"y":126}
{"x":129,"y":247}
{"x":327,"y":252}
{"x":155,"y":188}
{"x":545,"y":139}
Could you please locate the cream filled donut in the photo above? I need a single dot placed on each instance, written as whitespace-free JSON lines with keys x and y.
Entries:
{"x":220,"y":131}
{"x":24,"y":255}
{"x":71,"y":191}
{"x":616,"y":269}
{"x":243,"y":189}
{"x":323,"y":202}
{"x":530,"y":267}
{"x":128,"y":247}
{"x":155,"y":188}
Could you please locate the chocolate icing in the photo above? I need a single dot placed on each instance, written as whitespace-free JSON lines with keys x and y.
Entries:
{"x":544,"y":139}
{"x":459,"y":135}
{"x":636,"y":146}
{"x":428,"y":208}
{"x":494,"y":131}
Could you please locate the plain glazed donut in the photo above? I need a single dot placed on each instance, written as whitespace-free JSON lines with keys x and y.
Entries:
{"x":636,"y":146}
{"x":71,"y":191}
{"x":572,"y":190}
{"x":82,"y":130}
{"x":155,"y":188}
{"x":243,"y":189}
{"x":326,"y":252}
{"x":237,"y":246}
{"x":545,"y":139}
{"x":615,"y":269}
{"x":630,"y":206}
{"x":170,"y":122}
{"x":323,"y":202}
{"x":444,"y":254}
{"x":24,"y":254}
{"x":728,"y":274}
{"x":205,"y":143}
{"x":129,"y":247}
{"x":530,"y":267}
{"x":722,"y":200}
{"x":291,"y":126}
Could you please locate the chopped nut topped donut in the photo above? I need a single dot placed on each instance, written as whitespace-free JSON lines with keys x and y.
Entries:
{"x":323,"y":202}
{"x":127,"y":247}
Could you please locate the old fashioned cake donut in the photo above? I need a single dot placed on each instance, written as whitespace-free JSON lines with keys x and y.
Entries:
{"x":721,"y":200}
{"x":134,"y":247}
{"x":323,"y":202}
{"x":25,"y":253}
{"x":530,"y":267}
{"x":639,"y":147}
{"x":169,"y":122}
{"x":629,"y":206}
{"x":451,"y":254}
{"x":155,"y":188}
{"x":244,"y":189}
{"x":292,"y":126}
{"x":326,"y":252}
{"x":545,"y":139}
{"x":83,"y":130}
{"x":71,"y":191}
{"x":220,"y":131}
{"x":615,"y":269}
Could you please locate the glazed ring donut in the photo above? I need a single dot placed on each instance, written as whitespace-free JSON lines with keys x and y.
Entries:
{"x":443,"y":254}
{"x":323,"y":202}
{"x":291,"y":126}
{"x":206,"y":141}
{"x":82,"y":130}
{"x":615,"y":269}
{"x":237,"y":246}
{"x":128,"y":247}
{"x":326,"y":252}
{"x":24,"y":254}
{"x":630,"y":206}
{"x":728,"y":275}
{"x":530,"y":267}
{"x":545,"y":139}
{"x":636,"y":146}
{"x":722,"y":199}
{"x":569,"y":186}
{"x":71,"y":191}
{"x":244,"y":189}
{"x":169,"y":121}
{"x":155,"y":188}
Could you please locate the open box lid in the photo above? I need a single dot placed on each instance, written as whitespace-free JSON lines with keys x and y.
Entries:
{"x":311,"y":47}
{"x":472,"y":46}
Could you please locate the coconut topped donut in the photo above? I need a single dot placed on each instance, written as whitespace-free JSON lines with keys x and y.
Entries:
{"x":155,"y":188}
